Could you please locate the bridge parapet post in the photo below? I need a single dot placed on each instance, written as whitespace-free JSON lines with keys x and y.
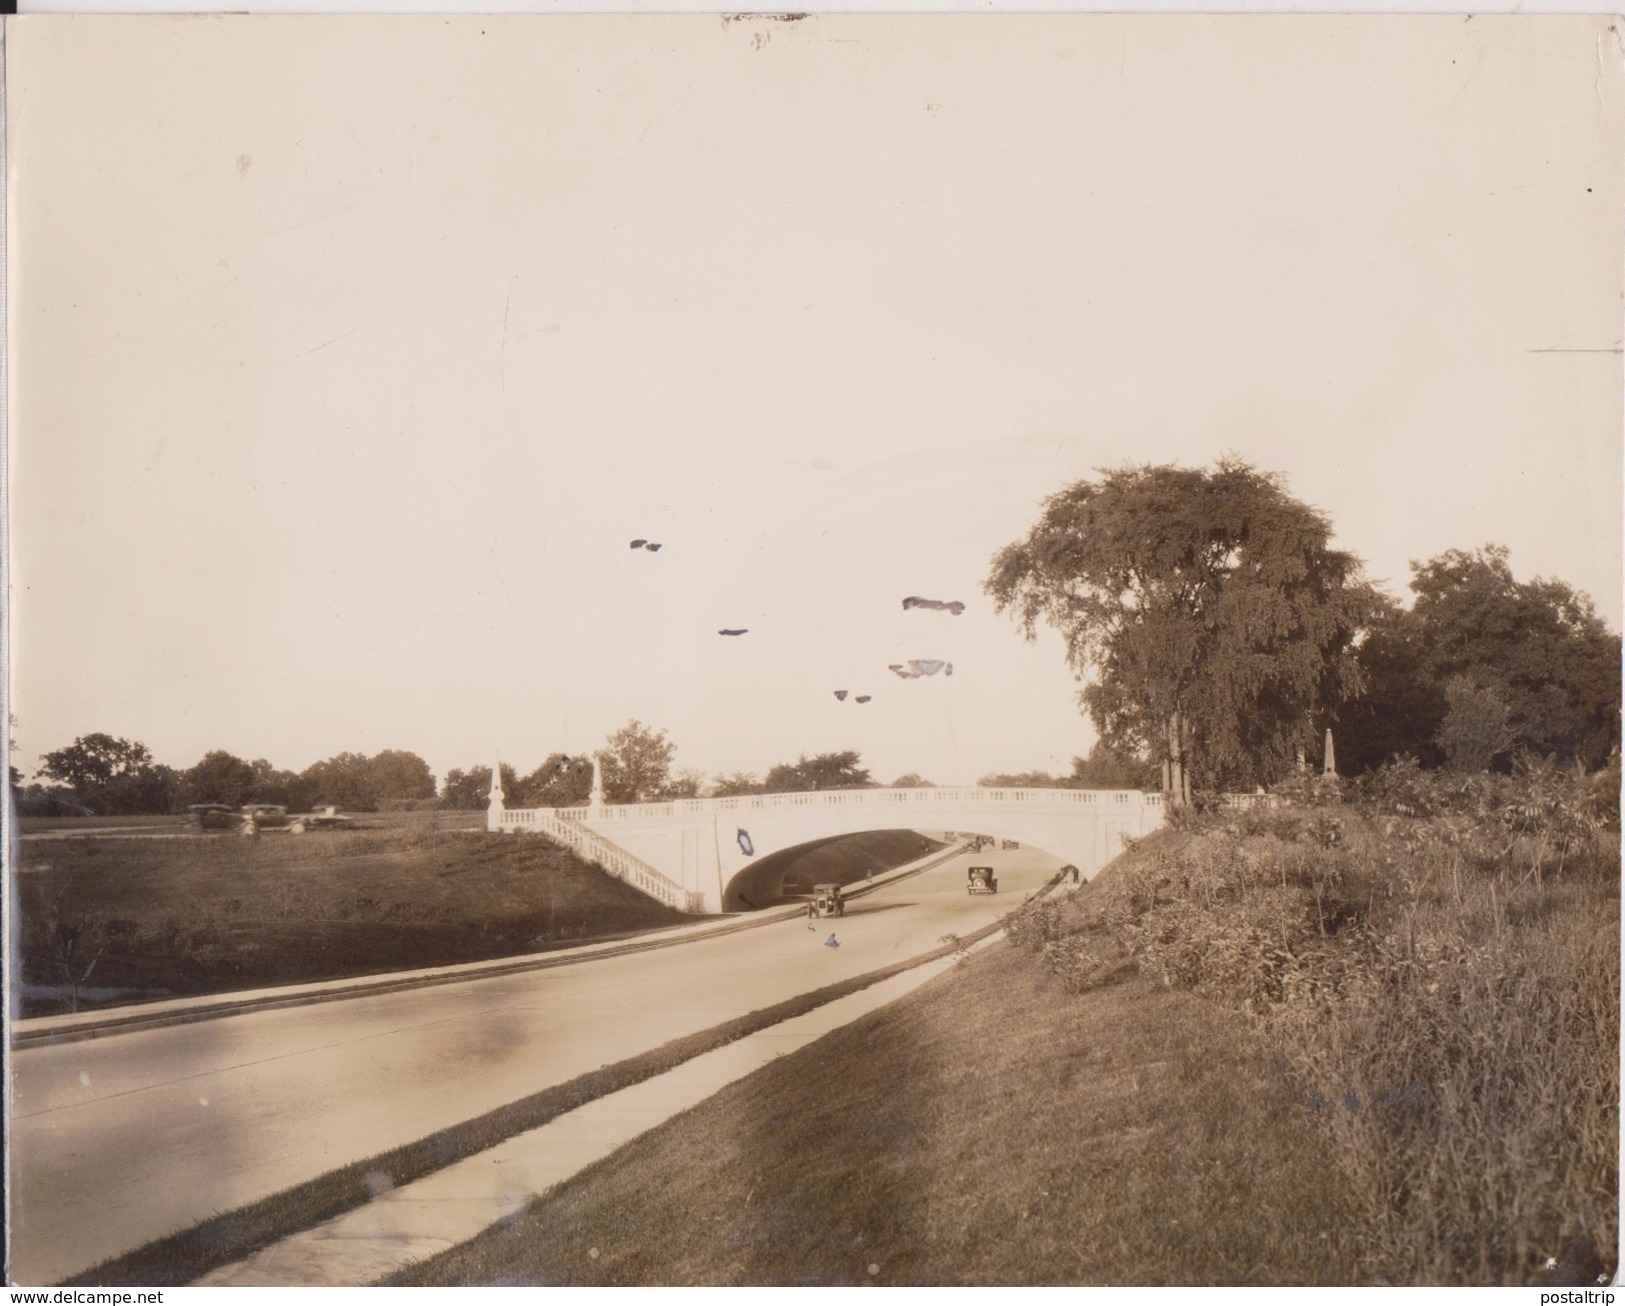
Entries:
{"x":494,"y":808}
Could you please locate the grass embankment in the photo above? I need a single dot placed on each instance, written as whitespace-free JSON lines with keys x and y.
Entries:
{"x":111,"y":921}
{"x":990,"y":1129}
{"x":184,"y":1257}
{"x":108,"y":921}
{"x":93,"y":824}
{"x":1373,"y":1041}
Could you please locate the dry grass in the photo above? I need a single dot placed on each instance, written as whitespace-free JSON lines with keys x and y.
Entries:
{"x":183,"y":1257}
{"x":214,"y":913}
{"x":1440,"y":962}
{"x":990,"y":1129}
{"x":110,"y":921}
{"x":1360,"y":1041}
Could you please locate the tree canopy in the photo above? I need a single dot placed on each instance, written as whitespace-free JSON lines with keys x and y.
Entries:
{"x":220,"y":777}
{"x":823,"y":771}
{"x":111,"y":776}
{"x":740,"y":782}
{"x":1104,"y":768}
{"x":1482,"y":661}
{"x":560,"y":781}
{"x":397,"y":773}
{"x":470,"y":790}
{"x":636,"y":763}
{"x":1214,"y":623}
{"x":1112,"y":768}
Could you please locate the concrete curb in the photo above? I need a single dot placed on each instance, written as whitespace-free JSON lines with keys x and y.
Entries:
{"x":145,"y":1259}
{"x":50,"y":1031}
{"x":452,"y":1205}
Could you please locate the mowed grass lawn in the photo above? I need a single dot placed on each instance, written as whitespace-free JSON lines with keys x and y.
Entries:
{"x":108,"y":921}
{"x":990,"y":1129}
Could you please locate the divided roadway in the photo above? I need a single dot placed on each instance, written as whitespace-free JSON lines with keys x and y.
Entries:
{"x":120,"y":1140}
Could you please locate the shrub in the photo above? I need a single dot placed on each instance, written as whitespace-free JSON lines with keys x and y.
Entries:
{"x":1439,"y":955}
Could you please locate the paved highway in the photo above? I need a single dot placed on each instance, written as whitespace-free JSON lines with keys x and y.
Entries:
{"x":120,"y":1140}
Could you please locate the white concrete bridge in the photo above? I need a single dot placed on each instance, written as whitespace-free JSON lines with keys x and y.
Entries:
{"x":688,"y":852}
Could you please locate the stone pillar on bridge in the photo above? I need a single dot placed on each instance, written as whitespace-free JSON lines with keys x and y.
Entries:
{"x":494,"y":809}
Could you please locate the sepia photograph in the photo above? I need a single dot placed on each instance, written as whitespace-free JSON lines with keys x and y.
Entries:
{"x":813,"y":650}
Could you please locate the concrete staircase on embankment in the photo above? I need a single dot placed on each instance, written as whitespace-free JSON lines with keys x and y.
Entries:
{"x":610,"y":858}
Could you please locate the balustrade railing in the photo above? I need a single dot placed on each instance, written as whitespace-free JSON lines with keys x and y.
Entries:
{"x":610,"y":857}
{"x":957,"y":797}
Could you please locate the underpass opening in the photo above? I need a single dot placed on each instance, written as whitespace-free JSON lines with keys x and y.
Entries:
{"x":789,"y":874}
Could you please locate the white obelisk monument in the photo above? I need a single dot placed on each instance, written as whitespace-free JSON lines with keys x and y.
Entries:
{"x":494,"y":809}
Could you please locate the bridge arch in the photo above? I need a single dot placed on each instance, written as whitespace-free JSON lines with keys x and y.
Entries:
{"x":695,"y":845}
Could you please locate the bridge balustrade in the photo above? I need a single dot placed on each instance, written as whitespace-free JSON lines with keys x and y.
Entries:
{"x":615,"y":860}
{"x":959,"y":797}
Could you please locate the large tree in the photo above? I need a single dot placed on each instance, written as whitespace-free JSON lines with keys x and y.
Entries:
{"x":1475,"y":636}
{"x":220,"y":777}
{"x":1206,"y":608}
{"x":823,"y":771}
{"x":636,"y":763}
{"x":560,"y":781}
{"x":398,"y":774}
{"x":112,"y":776}
{"x":470,"y":791}
{"x":1111,"y":768}
{"x":344,"y":780}
{"x":272,"y":784}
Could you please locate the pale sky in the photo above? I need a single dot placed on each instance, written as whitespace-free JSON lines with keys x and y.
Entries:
{"x":348,"y":354}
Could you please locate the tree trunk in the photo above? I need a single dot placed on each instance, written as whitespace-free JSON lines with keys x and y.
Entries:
{"x":1179,"y":784}
{"x":1184,"y":763}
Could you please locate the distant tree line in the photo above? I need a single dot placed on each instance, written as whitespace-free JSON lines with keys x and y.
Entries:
{"x":107,"y":776}
{"x":98,"y":774}
{"x":1104,"y":768}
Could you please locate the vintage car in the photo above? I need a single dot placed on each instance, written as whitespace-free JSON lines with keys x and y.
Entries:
{"x":320,"y":818}
{"x":213,"y":816}
{"x":980,"y":879}
{"x":1010,"y":843}
{"x":266,"y":814}
{"x":826,"y":901}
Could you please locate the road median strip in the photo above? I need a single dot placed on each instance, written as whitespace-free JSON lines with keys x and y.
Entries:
{"x":183,"y":1257}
